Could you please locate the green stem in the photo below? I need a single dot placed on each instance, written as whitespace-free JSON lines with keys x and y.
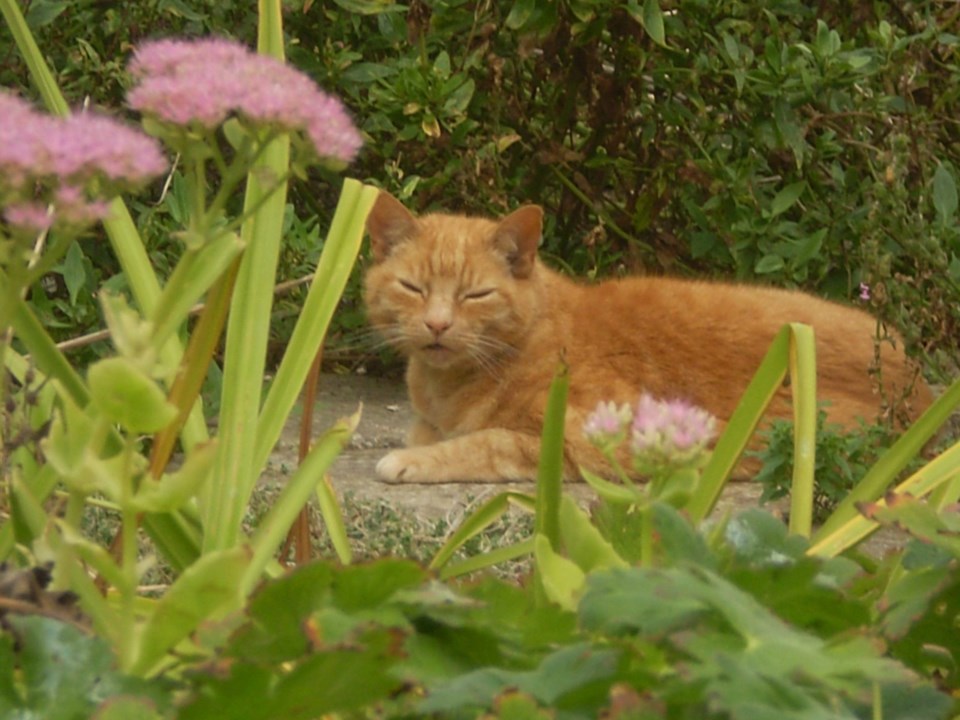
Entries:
{"x":31,"y":54}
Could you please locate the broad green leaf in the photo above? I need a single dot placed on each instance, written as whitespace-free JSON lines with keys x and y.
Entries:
{"x":562,"y":580}
{"x":458,"y":100}
{"x":65,"y":674}
{"x":613,"y":492}
{"x":559,"y":675}
{"x":128,"y":397}
{"x":622,"y":601}
{"x":944,"y":194}
{"x":370,"y":7}
{"x":279,"y":610}
{"x":787,"y":197}
{"x":173,"y":490}
{"x":74,"y":273}
{"x":520,"y":13}
{"x":207,"y":589}
{"x":339,"y":681}
{"x":367,"y":72}
{"x":652,"y":21}
{"x":769,"y":264}
{"x":583,"y":542}
{"x":94,"y":555}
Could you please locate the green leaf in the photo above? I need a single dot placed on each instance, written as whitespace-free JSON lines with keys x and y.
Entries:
{"x":458,"y":100}
{"x":520,"y":13}
{"x":173,"y":490}
{"x":367,"y":72}
{"x":64,"y":674}
{"x":127,"y":708}
{"x":944,"y":194}
{"x":560,"y":675}
{"x":74,"y":273}
{"x":613,"y":492}
{"x":583,"y":542}
{"x":787,"y":197}
{"x":621,"y":601}
{"x":652,"y":21}
{"x":204,"y":591}
{"x":44,"y":12}
{"x":128,"y":397}
{"x":562,"y":580}
{"x":768,"y":264}
{"x":370,"y":7}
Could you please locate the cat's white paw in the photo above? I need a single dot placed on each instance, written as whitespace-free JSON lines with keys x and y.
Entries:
{"x":400,"y":466}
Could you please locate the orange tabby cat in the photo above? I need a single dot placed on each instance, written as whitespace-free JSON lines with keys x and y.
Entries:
{"x":484,"y":323}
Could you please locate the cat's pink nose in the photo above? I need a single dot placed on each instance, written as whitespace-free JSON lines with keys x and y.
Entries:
{"x":438,"y":326}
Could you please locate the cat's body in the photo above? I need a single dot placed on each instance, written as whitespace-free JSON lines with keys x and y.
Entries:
{"x":484,"y":325}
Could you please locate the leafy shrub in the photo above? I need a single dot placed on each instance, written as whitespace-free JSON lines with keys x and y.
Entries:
{"x":843,"y":458}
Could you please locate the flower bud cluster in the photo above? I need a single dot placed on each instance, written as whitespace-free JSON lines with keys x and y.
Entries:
{"x":53,"y":170}
{"x":202,"y":83}
{"x":662,"y":434}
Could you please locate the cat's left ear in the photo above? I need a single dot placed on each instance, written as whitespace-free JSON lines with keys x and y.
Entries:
{"x":518,"y":236}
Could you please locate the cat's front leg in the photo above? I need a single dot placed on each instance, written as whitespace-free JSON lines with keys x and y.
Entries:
{"x":493,"y":455}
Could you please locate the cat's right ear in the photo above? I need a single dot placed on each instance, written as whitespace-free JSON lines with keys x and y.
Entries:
{"x":518,"y":236}
{"x":389,"y":223}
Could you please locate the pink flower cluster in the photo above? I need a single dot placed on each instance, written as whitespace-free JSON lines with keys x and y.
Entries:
{"x":46,"y":160}
{"x":661,"y":433}
{"x":672,"y":431}
{"x":204,"y":82}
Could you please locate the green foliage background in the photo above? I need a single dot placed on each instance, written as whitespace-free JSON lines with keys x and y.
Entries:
{"x":801,"y":144}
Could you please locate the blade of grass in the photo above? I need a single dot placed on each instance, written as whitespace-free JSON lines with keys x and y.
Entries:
{"x":275,"y":524}
{"x":478,"y":521}
{"x":489,"y":559}
{"x":332,"y":515}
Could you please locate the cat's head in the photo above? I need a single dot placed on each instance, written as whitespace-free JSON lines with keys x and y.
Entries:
{"x":452,"y":290}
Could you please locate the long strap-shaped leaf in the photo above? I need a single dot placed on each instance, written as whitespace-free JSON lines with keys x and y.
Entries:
{"x":792,"y":350}
{"x":333,"y":271}
{"x":886,"y":469}
{"x":248,"y":326}
{"x":936,"y":474}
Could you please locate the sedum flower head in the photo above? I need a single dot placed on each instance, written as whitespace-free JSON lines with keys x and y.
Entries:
{"x":669,"y":433}
{"x":53,"y":170}
{"x":204,"y":82}
{"x":606,"y":426}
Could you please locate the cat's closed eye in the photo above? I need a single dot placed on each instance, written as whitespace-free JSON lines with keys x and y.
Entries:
{"x":478,"y":294}
{"x":411,"y":287}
